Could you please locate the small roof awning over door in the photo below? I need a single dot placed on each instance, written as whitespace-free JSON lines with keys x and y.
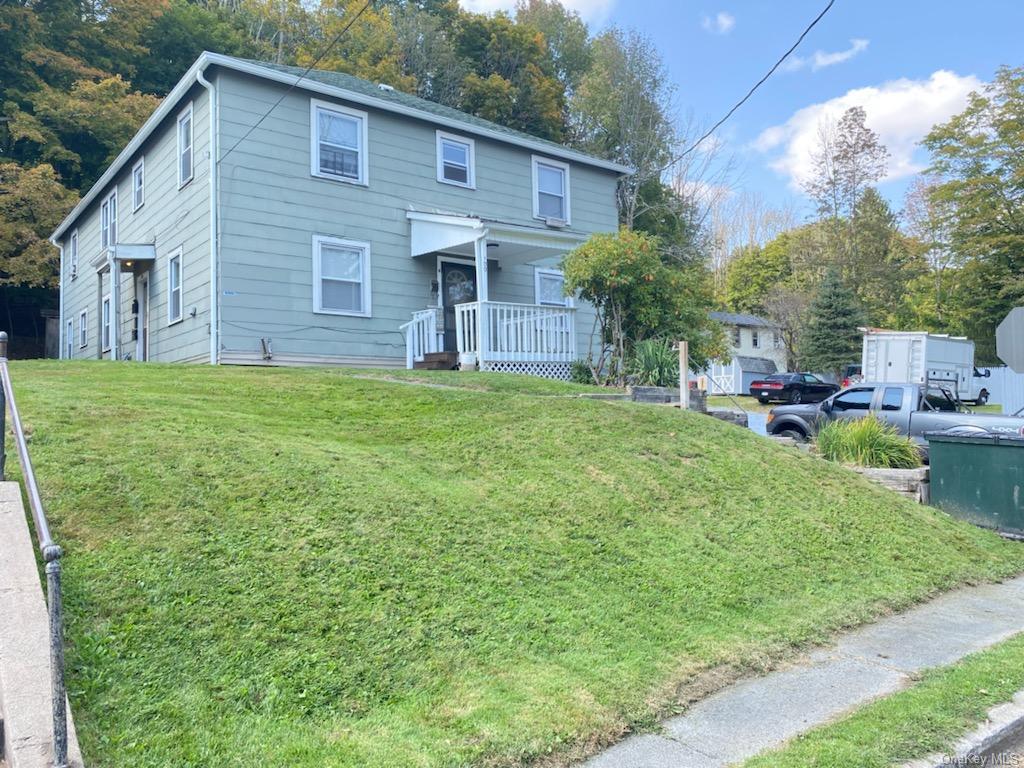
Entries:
{"x":431,"y":233}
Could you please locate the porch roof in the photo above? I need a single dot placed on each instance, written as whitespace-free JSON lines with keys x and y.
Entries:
{"x":452,"y":233}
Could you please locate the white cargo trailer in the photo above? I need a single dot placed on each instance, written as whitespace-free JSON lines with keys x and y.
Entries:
{"x":918,"y":357}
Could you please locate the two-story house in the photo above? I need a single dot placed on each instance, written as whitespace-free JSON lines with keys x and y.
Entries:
{"x":756,"y":350}
{"x":263,"y":216}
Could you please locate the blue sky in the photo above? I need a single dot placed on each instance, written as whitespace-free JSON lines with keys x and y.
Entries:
{"x":909,"y":63}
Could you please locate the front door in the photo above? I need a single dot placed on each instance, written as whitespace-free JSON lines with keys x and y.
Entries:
{"x":458,"y":286}
{"x":142,"y":318}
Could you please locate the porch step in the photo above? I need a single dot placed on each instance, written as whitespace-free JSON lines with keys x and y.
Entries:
{"x":438,"y":361}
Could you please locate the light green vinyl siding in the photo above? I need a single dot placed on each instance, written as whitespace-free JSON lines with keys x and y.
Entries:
{"x":170,"y":218}
{"x":271,"y":206}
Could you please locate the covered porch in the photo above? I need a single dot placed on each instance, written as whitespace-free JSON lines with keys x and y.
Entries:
{"x":464,"y":325}
{"x":114,"y":262}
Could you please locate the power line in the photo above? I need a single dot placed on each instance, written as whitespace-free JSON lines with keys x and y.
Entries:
{"x":327,"y":49}
{"x":757,"y":85}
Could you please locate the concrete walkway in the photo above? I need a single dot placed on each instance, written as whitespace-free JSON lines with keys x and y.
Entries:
{"x":756,"y":714}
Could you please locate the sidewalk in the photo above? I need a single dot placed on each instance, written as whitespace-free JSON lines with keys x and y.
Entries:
{"x":753,"y":715}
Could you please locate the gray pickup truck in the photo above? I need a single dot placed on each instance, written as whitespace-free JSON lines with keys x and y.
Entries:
{"x":912,"y":408}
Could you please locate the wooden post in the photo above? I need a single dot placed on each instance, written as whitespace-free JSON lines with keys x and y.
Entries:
{"x":684,"y":375}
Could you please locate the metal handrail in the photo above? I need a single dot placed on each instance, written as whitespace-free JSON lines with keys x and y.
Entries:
{"x":51,"y":556}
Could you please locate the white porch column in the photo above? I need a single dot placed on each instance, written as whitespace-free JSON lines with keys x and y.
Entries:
{"x":482,"y":315}
{"x":115,"y":307}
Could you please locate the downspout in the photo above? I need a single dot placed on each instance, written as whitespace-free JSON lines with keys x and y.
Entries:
{"x":211,"y":89}
{"x":62,"y":352}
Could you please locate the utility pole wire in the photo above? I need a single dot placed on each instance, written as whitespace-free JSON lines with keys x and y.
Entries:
{"x":327,"y":49}
{"x":750,"y":93}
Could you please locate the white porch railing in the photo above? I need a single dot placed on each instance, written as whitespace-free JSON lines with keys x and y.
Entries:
{"x":423,"y":335}
{"x":516,"y":332}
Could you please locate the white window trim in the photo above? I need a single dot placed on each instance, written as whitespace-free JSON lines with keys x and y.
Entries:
{"x":186,"y":112}
{"x":318,"y":308}
{"x":537,"y":160}
{"x":176,"y":254}
{"x":73,"y":243}
{"x":141,"y":165}
{"x":538,"y":273}
{"x":755,"y":339}
{"x":442,"y":137}
{"x":83,"y":329}
{"x":106,"y":323}
{"x":69,"y":342}
{"x":314,"y":143}
{"x":105,"y":233}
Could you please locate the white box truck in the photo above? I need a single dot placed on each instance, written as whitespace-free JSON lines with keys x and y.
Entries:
{"x":918,"y":357}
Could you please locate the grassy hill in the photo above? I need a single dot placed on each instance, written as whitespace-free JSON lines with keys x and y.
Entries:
{"x":316,"y":568}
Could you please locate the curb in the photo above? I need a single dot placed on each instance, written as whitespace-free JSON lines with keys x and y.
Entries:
{"x":989,"y":743}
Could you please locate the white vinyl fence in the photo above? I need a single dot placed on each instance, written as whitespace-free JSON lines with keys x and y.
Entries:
{"x":1005,"y":387}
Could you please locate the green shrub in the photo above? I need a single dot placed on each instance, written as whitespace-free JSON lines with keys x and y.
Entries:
{"x":868,"y":442}
{"x":580,"y":373}
{"x":654,"y":363}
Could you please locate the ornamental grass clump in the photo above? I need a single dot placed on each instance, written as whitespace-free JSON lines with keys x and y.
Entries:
{"x":868,"y":442}
{"x":654,"y":363}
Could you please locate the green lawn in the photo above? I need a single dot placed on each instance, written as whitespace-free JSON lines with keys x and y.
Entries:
{"x":298,"y":567}
{"x":926,"y":719}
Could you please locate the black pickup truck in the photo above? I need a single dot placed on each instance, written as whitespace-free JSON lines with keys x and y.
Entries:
{"x":912,"y":408}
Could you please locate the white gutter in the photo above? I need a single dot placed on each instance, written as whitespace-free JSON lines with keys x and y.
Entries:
{"x":213,"y":108}
{"x":62,"y":352}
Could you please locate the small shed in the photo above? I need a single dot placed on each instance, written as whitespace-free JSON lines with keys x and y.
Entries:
{"x":735,"y":377}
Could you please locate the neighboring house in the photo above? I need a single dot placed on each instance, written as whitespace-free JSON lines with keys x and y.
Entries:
{"x":343,"y":223}
{"x":756,"y":351}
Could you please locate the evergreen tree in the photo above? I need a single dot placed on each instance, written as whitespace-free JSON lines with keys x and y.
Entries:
{"x":831,"y":339}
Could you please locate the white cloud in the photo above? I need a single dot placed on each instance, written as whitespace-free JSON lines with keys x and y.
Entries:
{"x":900,"y":111}
{"x":721,"y":23}
{"x":592,"y":11}
{"x":821,"y":59}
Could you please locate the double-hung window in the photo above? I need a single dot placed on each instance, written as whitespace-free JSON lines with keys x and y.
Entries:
{"x":174,"y":288}
{"x":108,"y":221}
{"x":341,"y":276}
{"x":736,"y":339}
{"x":339,"y":139}
{"x":455,"y":160}
{"x":69,"y":340}
{"x":73,"y":253}
{"x":83,"y":329}
{"x":106,"y":323}
{"x":550,"y":190}
{"x":755,"y":339}
{"x":138,"y":184}
{"x":185,"y":154}
{"x":549,"y":286}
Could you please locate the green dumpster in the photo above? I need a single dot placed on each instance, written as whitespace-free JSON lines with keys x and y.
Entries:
{"x":979,"y":478}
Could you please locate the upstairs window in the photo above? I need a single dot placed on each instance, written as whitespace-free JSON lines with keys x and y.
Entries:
{"x":73,"y":253}
{"x":108,"y":221}
{"x":549,"y":287}
{"x":341,"y":277}
{"x":550,"y":190}
{"x":755,"y":339}
{"x":455,"y":160}
{"x":174,"y":290}
{"x":185,"y":135}
{"x":106,"y":323}
{"x":339,"y":143}
{"x":735,"y":336}
{"x":138,"y":182}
